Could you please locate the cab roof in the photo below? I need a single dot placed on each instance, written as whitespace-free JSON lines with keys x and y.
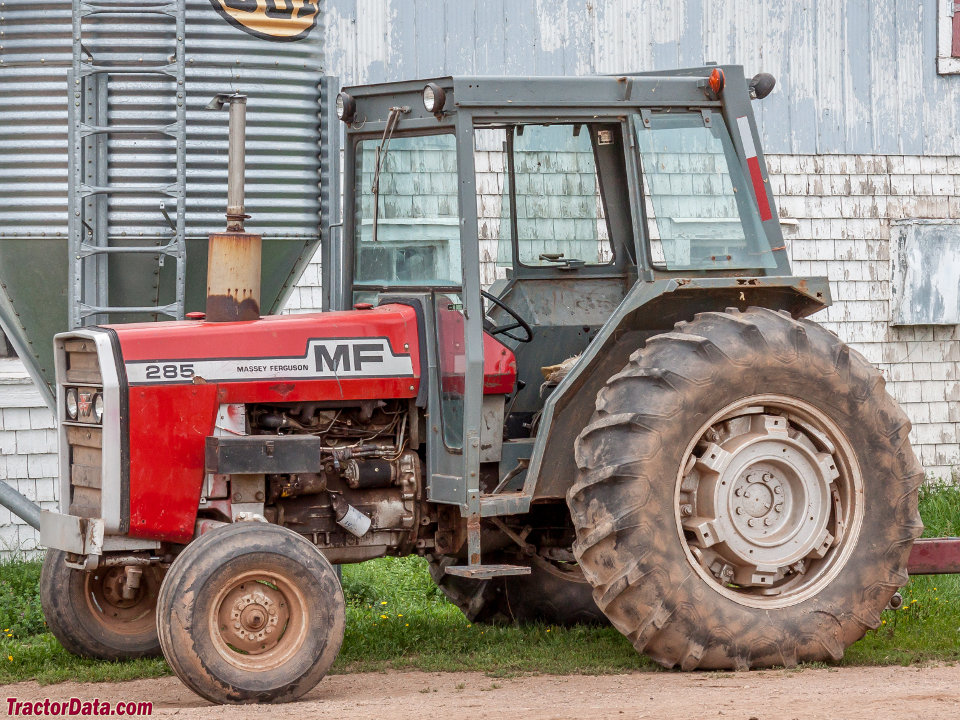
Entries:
{"x":565,"y":97}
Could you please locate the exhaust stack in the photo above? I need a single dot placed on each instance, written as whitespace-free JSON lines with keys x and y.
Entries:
{"x":233,"y":256}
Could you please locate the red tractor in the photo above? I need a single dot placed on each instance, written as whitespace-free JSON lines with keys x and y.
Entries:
{"x":632,"y":422}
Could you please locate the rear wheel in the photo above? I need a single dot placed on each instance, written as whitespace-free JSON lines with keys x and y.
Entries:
{"x":747,"y":494}
{"x":251,"y":613}
{"x":87,"y":611}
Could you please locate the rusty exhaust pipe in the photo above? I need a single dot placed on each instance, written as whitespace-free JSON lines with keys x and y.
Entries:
{"x":233,"y":256}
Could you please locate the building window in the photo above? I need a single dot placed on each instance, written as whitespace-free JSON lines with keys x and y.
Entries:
{"x":925,"y":269}
{"x":948,"y":37}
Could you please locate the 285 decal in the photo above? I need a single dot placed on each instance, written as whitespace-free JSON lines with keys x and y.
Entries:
{"x":279,"y":20}
{"x":322,"y":359}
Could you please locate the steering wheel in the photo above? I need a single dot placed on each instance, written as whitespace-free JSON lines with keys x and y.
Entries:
{"x":505,"y":329}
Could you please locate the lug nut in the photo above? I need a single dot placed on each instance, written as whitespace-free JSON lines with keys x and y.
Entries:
{"x":686,"y":510}
{"x":778,"y":507}
{"x":751,"y":522}
{"x":778,"y":490}
{"x":738,"y":492}
{"x":768,"y":522}
{"x":739,"y":511}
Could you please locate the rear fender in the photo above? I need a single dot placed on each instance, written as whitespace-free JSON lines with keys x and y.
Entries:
{"x":650,"y":308}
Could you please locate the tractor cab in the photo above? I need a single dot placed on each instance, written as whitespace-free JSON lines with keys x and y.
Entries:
{"x":519,"y":215}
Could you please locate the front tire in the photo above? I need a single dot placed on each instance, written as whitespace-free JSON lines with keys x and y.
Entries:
{"x":87,"y":613}
{"x":251,"y":613}
{"x":747,"y":494}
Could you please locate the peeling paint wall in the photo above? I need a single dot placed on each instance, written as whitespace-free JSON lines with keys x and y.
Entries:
{"x":853,"y":77}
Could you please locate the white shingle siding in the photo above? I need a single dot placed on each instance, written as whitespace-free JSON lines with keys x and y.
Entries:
{"x":836,"y":213}
{"x":28,"y":454}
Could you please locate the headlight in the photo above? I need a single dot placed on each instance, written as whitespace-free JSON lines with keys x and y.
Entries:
{"x":72,"y":404}
{"x":98,"y":408}
{"x":434,"y":98}
{"x":346,"y":107}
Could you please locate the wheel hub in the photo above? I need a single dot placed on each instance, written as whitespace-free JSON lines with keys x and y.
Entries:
{"x":254,"y":615}
{"x":112,"y":587}
{"x":103,"y":590}
{"x":756,"y":498}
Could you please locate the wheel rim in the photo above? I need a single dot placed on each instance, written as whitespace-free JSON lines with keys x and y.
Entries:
{"x":103,"y":592}
{"x":258,"y":620}
{"x":769,"y":501}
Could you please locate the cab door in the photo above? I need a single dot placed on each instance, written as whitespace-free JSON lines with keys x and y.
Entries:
{"x":457,"y":380}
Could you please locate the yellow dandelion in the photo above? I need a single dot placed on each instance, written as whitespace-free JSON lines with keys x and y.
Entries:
{"x":399,"y":614}
{"x":469,"y":626}
{"x":407,"y":625}
{"x":10,"y":658}
{"x":883,"y":622}
{"x":383,"y":617}
{"x":548,"y":629}
{"x":383,"y":602}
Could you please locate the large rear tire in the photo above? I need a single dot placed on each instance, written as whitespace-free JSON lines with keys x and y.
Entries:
{"x":747,"y":494}
{"x":87,"y":613}
{"x":251,"y":613}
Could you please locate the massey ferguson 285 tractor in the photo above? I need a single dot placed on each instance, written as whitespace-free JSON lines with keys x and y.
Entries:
{"x":633,"y":422}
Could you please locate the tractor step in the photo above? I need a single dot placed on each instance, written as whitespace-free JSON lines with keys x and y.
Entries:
{"x":483,"y":572}
{"x":511,"y":503}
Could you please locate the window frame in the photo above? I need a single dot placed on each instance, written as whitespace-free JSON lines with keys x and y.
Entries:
{"x":354,"y":242}
{"x":743,"y":200}
{"x":948,"y":38}
{"x":514,"y":218}
{"x":625,"y":244}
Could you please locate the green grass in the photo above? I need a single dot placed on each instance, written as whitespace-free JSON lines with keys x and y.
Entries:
{"x":397,"y":618}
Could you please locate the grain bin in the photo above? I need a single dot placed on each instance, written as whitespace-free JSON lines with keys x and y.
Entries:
{"x":270,"y":51}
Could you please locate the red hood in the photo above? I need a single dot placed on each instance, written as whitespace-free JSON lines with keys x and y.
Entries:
{"x":279,"y":358}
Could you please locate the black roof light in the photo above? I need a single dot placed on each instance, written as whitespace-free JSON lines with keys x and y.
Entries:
{"x":346,"y":107}
{"x":434,"y":98}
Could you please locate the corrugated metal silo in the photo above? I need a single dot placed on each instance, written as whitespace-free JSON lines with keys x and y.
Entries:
{"x":270,"y":51}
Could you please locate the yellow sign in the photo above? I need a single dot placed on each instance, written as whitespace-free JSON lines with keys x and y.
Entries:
{"x":280,"y":20}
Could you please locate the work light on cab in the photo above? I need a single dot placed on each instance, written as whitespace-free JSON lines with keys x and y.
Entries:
{"x":346,"y":107}
{"x":72,"y":407}
{"x":434,"y":98}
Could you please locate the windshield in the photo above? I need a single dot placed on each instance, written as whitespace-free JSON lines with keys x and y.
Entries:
{"x":418,"y":228}
{"x":701,"y":212}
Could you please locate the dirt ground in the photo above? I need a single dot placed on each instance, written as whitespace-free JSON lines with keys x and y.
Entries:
{"x":872,"y":693}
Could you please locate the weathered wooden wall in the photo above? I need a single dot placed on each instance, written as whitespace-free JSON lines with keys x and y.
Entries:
{"x":854,"y":76}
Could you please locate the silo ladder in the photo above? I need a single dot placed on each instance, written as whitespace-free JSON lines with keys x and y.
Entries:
{"x":91,"y":244}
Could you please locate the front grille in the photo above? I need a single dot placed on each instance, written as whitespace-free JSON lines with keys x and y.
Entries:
{"x":84,"y":436}
{"x":86,"y":461}
{"x":82,"y":364}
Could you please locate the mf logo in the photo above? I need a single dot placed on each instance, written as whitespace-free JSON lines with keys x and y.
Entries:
{"x":280,"y":20}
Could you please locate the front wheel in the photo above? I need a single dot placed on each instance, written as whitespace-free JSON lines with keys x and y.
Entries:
{"x":251,"y":613}
{"x":747,"y":494}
